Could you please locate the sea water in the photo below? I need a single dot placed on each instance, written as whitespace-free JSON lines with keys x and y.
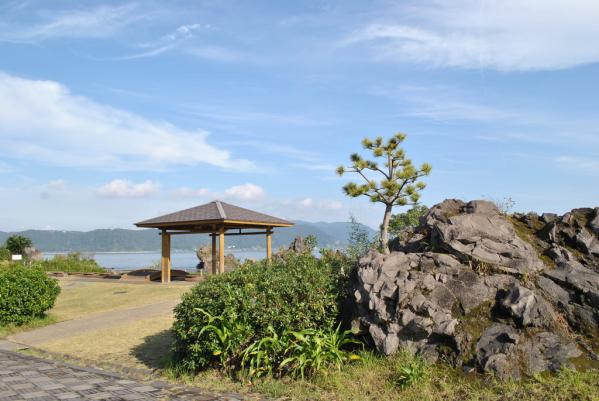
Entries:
{"x":183,"y":260}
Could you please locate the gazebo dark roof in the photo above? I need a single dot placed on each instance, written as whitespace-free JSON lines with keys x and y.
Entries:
{"x":215,"y":212}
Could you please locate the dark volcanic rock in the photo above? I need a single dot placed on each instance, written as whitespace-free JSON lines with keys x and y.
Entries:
{"x":528,"y":308}
{"x":468,"y":285}
{"x":480,"y":232}
{"x":496,"y":351}
{"x":547,"y":351}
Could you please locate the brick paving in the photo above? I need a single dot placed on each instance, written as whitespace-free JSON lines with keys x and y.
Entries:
{"x":24,"y":377}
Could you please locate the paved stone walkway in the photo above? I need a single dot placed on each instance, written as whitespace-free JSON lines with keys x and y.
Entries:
{"x":91,"y":322}
{"x":27,"y":378}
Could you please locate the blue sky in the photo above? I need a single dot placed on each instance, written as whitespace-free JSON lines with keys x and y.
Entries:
{"x":112,"y":112}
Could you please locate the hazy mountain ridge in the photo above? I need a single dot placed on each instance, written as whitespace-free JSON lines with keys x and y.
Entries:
{"x":123,"y":240}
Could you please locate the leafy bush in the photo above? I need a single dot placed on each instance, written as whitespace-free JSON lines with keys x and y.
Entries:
{"x":308,"y":351}
{"x":25,"y":293}
{"x":292,"y":293}
{"x":295,"y":353}
{"x":5,"y":254}
{"x":231,"y":334}
{"x":71,"y":263}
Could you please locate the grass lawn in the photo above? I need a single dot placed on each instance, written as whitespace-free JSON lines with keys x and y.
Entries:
{"x":39,"y":322}
{"x":80,"y":298}
{"x":379,"y":378}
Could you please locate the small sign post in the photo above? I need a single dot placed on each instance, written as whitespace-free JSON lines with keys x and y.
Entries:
{"x":17,"y":257}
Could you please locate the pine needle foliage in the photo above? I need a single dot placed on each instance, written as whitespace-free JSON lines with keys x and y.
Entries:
{"x":400,"y":182}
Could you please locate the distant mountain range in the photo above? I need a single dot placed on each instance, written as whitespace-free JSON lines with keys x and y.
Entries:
{"x":332,"y":235}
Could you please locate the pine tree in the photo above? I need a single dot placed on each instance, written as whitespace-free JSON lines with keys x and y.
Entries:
{"x":400,"y":184}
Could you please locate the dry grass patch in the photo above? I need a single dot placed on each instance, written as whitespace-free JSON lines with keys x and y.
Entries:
{"x":143,"y":343}
{"x":80,"y":298}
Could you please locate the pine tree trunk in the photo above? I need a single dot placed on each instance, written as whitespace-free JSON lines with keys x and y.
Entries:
{"x":385,"y":229}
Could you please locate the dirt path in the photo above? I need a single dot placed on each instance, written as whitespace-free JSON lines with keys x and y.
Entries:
{"x":91,"y":322}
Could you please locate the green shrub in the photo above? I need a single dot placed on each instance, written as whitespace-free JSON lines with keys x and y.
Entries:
{"x":25,"y":293}
{"x":295,"y":292}
{"x":71,"y":263}
{"x":5,"y":254}
{"x":295,"y":353}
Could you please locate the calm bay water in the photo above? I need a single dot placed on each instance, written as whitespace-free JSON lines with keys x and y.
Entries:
{"x":138,"y":260}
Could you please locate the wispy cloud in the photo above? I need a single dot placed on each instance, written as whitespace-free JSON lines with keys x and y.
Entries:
{"x":580,"y":164}
{"x":441,"y":103}
{"x":513,"y":35}
{"x":98,"y":22}
{"x":44,"y":121}
{"x":232,"y":115}
{"x":316,"y":167}
{"x":167,"y":42}
{"x":185,"y":40}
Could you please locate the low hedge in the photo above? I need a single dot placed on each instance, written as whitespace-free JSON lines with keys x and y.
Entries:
{"x":295,"y":292}
{"x":25,"y":293}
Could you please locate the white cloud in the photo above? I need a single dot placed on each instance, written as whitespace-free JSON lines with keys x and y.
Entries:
{"x":504,"y":35}
{"x":580,"y":164}
{"x":307,"y":202}
{"x":99,"y":22}
{"x":44,"y":121}
{"x":246,"y":192}
{"x":182,"y":32}
{"x":323,"y":204}
{"x":126,"y":189}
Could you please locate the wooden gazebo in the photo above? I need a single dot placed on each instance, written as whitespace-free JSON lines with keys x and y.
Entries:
{"x":219,"y":219}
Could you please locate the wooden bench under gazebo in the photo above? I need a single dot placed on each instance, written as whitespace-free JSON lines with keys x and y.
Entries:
{"x":219,"y":219}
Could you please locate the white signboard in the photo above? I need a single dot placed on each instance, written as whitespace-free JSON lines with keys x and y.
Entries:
{"x":17,"y":257}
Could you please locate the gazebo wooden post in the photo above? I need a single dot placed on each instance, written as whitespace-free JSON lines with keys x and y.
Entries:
{"x":269,"y":244}
{"x":165,"y":262}
{"x":213,"y":235}
{"x":221,"y":250}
